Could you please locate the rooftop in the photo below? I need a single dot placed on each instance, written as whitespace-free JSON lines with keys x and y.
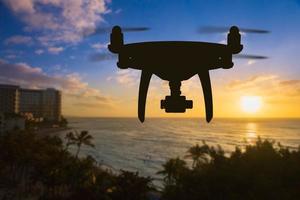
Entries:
{"x":6,"y":86}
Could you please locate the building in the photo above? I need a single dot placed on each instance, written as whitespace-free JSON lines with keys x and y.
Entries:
{"x":1,"y":123}
{"x":51,"y":104}
{"x":41,"y":104}
{"x":31,"y":102}
{"x":9,"y":98}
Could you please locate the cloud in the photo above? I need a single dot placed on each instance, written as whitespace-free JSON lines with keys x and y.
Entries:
{"x":131,"y":78}
{"x":291,"y":87}
{"x":11,"y":56}
{"x":128,"y":77}
{"x":55,"y":50}
{"x":39,"y":51}
{"x":59,"y":21}
{"x":250,"y":82}
{"x":118,"y":11}
{"x":18,"y":39}
{"x":34,"y":77}
{"x":93,"y":105}
{"x":290,"y":83}
{"x":251,"y":62}
{"x":267,"y":85}
{"x":24,"y":6}
{"x":99,"y":46}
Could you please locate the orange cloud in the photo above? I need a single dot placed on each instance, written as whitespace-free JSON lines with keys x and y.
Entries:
{"x":251,"y":81}
{"x":272,"y":85}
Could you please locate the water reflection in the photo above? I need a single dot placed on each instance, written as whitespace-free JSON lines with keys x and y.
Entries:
{"x":251,"y":132}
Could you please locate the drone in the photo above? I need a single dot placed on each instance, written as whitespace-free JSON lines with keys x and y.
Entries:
{"x":177,"y":61}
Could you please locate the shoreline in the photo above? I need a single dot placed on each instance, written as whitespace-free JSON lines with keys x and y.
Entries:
{"x":51,"y":131}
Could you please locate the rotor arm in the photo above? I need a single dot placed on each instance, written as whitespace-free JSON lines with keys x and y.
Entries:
{"x":207,"y":93}
{"x":143,"y":90}
{"x":116,"y":40}
{"x":234,"y":40}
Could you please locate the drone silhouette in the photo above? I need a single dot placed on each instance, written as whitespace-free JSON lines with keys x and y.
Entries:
{"x":176,"y":61}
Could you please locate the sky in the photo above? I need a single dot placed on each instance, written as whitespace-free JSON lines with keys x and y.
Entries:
{"x":49,"y":44}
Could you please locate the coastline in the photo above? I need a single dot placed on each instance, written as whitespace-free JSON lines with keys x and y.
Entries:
{"x":51,"y":131}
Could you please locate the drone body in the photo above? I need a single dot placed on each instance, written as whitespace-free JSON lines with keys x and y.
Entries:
{"x":175,"y":61}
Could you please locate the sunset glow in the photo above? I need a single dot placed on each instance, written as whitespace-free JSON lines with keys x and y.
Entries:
{"x":251,"y":104}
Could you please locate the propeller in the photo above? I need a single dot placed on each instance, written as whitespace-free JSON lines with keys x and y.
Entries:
{"x":248,"y":56}
{"x":224,"y":29}
{"x":104,"y":56}
{"x":98,"y":57}
{"x":104,"y":30}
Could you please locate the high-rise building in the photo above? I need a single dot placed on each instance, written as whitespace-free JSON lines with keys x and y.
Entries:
{"x":31,"y":102}
{"x":1,"y":123}
{"x":42,"y":104}
{"x":51,"y":104}
{"x":9,"y":98}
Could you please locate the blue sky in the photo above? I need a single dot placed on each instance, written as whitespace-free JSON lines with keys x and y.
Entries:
{"x":42,"y":39}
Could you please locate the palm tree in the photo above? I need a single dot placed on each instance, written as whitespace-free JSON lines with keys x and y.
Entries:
{"x":70,"y":138}
{"x":131,"y":186}
{"x":172,"y":170}
{"x":198,"y":154}
{"x":82,"y":138}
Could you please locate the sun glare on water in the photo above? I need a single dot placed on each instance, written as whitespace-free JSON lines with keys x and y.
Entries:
{"x":251,"y":104}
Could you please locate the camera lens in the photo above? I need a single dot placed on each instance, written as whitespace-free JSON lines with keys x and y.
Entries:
{"x":189,"y":104}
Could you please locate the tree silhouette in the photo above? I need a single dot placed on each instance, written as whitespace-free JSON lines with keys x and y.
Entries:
{"x":79,"y":139}
{"x":39,"y":167}
{"x":172,"y":170}
{"x":70,"y":139}
{"x":198,"y":154}
{"x":260,"y":171}
{"x":131,"y":186}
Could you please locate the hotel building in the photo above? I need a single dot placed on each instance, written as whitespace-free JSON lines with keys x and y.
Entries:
{"x":9,"y":98}
{"x":42,"y":104}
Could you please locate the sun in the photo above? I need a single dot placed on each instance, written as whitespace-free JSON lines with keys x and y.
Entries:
{"x":251,"y":104}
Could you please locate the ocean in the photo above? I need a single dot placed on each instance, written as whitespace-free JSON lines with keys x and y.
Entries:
{"x":125,"y":143}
